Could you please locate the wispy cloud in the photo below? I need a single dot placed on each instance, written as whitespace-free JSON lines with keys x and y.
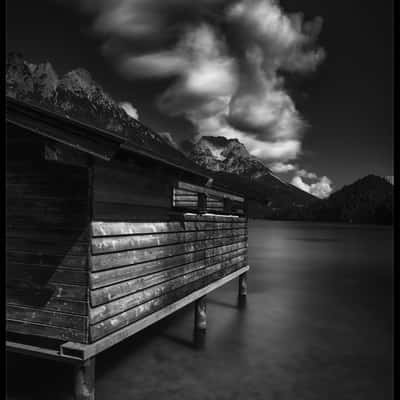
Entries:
{"x":225,"y":61}
{"x":281,"y":168}
{"x":305,"y":174}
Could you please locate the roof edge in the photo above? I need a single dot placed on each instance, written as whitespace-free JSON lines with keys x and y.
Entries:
{"x":34,"y":112}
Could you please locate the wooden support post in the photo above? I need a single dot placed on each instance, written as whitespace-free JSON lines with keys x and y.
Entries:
{"x":200,"y":321}
{"x":84,"y":380}
{"x":242,"y":296}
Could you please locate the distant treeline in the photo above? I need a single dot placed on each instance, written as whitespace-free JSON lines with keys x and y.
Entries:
{"x":367,"y":201}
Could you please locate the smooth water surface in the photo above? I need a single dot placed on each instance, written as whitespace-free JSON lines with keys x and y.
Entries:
{"x":318,"y":325}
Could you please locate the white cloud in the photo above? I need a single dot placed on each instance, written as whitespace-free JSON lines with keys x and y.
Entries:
{"x":263,"y":107}
{"x":280,"y":150}
{"x":285,"y":39}
{"x":298,"y":182}
{"x":129,"y":109}
{"x":158,"y":64}
{"x":280,"y":167}
{"x":208,"y":76}
{"x":224,"y":86}
{"x":322,"y":188}
{"x":305,"y":174}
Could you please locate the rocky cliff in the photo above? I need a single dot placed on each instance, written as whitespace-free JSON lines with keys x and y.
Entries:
{"x":78,"y":96}
{"x":234,"y":167}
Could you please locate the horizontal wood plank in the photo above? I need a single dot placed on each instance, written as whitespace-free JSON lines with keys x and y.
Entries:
{"x":95,"y":347}
{"x":188,"y":196}
{"x":28,"y":328}
{"x":120,"y":243}
{"x":182,"y":192}
{"x":113,"y":324}
{"x":62,"y":234}
{"x":159,"y":284}
{"x":50,"y":318}
{"x":109,"y":277}
{"x":130,"y":257}
{"x":112,"y":211}
{"x":45,"y":222}
{"x":39,"y":259}
{"x":100,"y":228}
{"x":209,"y":191}
{"x":60,"y":291}
{"x":50,"y":246}
{"x":114,"y":291}
{"x":51,"y":304}
{"x":47,"y":191}
{"x":214,"y":218}
{"x":46,"y":274}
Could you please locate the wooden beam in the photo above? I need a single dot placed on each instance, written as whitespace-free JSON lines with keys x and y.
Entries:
{"x":90,"y":350}
{"x":213,"y":192}
{"x":66,"y":155}
{"x":41,"y":352}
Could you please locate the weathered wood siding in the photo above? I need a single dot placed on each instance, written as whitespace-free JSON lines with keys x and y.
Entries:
{"x":126,"y":191}
{"x":193,"y":200}
{"x":47,"y":242}
{"x":95,"y":246}
{"x":137,"y":268}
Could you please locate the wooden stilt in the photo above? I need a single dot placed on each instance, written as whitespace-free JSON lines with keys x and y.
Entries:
{"x":200,"y":321}
{"x":84,"y":380}
{"x":242,"y":296}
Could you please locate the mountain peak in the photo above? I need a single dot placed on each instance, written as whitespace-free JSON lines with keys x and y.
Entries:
{"x":80,"y":82}
{"x":78,"y":78}
{"x":367,"y":200}
{"x":221,"y":154}
{"x":78,"y":96}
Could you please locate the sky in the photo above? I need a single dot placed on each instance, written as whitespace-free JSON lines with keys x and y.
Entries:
{"x":306,"y":85}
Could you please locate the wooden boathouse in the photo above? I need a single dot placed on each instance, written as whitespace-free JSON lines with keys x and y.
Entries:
{"x":106,"y":236}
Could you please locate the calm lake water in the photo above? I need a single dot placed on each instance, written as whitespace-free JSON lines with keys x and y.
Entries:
{"x":318,"y":325}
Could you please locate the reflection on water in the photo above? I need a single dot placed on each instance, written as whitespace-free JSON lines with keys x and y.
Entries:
{"x":318,"y":325}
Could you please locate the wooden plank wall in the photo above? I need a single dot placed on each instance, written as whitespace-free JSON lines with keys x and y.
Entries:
{"x":190,"y":200}
{"x":125,"y":191}
{"x":137,"y":268}
{"x":185,"y":199}
{"x":47,"y":242}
